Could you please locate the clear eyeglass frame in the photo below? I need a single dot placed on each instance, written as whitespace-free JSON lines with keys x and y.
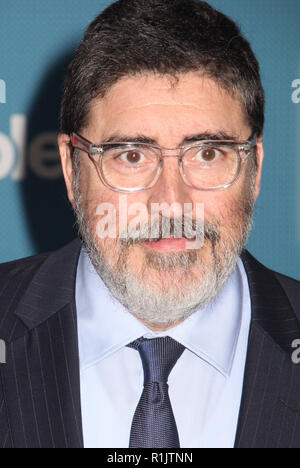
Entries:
{"x":243,"y":150}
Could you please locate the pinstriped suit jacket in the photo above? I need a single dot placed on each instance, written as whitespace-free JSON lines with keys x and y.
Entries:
{"x":40,"y":384}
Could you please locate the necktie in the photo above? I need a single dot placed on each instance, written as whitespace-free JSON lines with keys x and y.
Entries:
{"x":153,"y":424}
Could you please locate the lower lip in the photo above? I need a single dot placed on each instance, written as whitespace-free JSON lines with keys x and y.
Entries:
{"x":169,"y":245}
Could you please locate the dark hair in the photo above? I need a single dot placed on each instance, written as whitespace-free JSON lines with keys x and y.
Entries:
{"x":163,"y":37}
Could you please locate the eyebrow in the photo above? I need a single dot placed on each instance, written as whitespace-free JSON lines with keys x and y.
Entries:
{"x":220,"y":136}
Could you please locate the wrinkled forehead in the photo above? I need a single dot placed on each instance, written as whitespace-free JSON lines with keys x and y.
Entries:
{"x":154,"y":104}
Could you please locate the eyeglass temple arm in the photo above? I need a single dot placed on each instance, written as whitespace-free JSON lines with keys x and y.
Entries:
{"x":253,"y":140}
{"x":81,"y":143}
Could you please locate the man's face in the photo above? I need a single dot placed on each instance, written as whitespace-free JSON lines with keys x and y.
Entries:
{"x":162,"y":283}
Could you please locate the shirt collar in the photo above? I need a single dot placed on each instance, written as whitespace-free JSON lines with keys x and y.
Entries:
{"x":105,"y":326}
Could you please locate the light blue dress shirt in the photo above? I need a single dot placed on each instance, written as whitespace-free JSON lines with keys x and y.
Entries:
{"x":205,"y":384}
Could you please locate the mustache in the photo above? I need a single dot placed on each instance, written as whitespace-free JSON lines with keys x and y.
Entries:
{"x":165,"y":228}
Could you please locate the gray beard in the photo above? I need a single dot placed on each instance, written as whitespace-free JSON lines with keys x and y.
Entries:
{"x":171,"y":302}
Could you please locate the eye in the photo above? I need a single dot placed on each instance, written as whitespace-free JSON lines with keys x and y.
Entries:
{"x":208,"y":154}
{"x":132,"y":157}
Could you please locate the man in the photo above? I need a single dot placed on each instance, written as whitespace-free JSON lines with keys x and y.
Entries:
{"x":133,"y":337}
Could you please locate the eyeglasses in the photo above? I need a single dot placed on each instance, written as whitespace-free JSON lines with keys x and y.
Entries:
{"x":133,"y":167}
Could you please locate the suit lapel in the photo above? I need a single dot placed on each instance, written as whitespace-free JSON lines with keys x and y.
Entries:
{"x":270,"y":408}
{"x":41,"y":378}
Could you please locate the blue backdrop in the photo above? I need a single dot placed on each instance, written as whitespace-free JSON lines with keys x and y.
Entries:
{"x":37,"y":38}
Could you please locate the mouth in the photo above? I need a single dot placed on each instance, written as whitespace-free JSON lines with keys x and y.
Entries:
{"x":170,"y":245}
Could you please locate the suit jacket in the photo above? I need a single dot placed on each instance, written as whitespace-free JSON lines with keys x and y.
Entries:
{"x":40,"y":383}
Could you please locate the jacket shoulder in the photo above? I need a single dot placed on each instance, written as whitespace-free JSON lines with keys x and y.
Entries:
{"x":262,"y":276}
{"x":9,"y":270}
{"x":292,"y":289}
{"x":33,"y":288}
{"x":15,"y":277}
{"x":288,"y":282}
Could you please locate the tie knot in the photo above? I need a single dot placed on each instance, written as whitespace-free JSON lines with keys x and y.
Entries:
{"x":159,"y":356}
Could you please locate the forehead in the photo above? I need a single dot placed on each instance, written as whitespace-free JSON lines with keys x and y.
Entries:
{"x":161,"y":107}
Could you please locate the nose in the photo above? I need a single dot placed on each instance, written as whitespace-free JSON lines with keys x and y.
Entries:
{"x":170,"y":188}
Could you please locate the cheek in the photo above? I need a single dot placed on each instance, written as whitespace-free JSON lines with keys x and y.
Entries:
{"x":92,"y":190}
{"x":224,"y":207}
{"x":216,"y":205}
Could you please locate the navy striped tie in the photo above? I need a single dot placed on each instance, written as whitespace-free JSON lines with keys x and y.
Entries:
{"x":153,"y":424}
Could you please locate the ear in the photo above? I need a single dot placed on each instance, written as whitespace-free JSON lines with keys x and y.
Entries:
{"x":260,"y":159}
{"x":66,"y":163}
